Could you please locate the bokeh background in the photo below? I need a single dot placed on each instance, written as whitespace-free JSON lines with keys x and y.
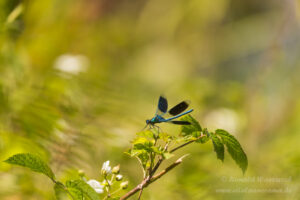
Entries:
{"x":79,"y":78}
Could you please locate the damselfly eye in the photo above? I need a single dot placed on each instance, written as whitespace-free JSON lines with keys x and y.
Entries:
{"x":147,"y":121}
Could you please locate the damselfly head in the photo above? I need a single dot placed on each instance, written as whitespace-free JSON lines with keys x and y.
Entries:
{"x":147,"y":121}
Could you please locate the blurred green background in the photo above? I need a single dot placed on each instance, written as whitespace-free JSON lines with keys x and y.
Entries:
{"x":79,"y":78}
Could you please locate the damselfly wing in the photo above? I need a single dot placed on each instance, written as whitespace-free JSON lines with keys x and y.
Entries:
{"x":176,"y":112}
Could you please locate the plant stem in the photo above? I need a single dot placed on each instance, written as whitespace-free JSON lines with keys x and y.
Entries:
{"x":180,"y":146}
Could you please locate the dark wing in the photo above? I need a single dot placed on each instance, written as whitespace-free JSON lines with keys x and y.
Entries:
{"x":179,"y":108}
{"x":162,"y":106}
{"x":180,"y":122}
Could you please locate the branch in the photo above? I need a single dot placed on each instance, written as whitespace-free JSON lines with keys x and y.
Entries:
{"x":177,"y":162}
{"x":151,"y":179}
{"x":171,"y":151}
{"x":148,"y":180}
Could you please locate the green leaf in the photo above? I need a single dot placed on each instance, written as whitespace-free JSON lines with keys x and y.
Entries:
{"x":144,"y":158}
{"x":218,"y":146}
{"x":32,"y":162}
{"x":165,"y":137}
{"x":60,"y":192}
{"x":140,"y":140}
{"x":147,"y":133}
{"x":189,"y":129}
{"x":234,"y":149}
{"x":142,"y":144}
{"x":76,"y":194}
{"x":79,"y":187}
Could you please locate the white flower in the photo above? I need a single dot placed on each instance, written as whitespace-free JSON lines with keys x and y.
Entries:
{"x":71,"y":64}
{"x":96,"y":186}
{"x":106,"y":168}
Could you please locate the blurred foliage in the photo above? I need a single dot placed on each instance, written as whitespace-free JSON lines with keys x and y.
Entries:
{"x":79,"y":78}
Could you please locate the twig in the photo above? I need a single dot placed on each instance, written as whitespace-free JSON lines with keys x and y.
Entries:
{"x":180,"y":146}
{"x":144,"y":172}
{"x":140,"y":194}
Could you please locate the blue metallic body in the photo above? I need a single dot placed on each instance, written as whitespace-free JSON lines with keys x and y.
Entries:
{"x":159,"y":119}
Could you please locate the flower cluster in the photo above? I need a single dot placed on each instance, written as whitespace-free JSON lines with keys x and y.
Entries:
{"x":110,"y":183}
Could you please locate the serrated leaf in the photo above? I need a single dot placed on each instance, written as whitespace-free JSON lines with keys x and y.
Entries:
{"x":85,"y":189}
{"x":234,"y":149}
{"x":60,"y":192}
{"x":189,"y":129}
{"x":141,"y":142}
{"x":218,"y":147}
{"x":32,"y":162}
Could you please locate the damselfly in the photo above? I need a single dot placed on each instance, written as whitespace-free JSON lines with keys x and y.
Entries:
{"x":176,"y":112}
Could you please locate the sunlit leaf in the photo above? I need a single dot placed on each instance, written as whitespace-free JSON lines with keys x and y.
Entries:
{"x":147,"y":133}
{"x":32,"y":162}
{"x":142,"y":140}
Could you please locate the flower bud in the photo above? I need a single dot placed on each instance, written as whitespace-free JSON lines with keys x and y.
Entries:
{"x":116,"y":169}
{"x":119,"y":177}
{"x":81,"y":173}
{"x":124,"y":185}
